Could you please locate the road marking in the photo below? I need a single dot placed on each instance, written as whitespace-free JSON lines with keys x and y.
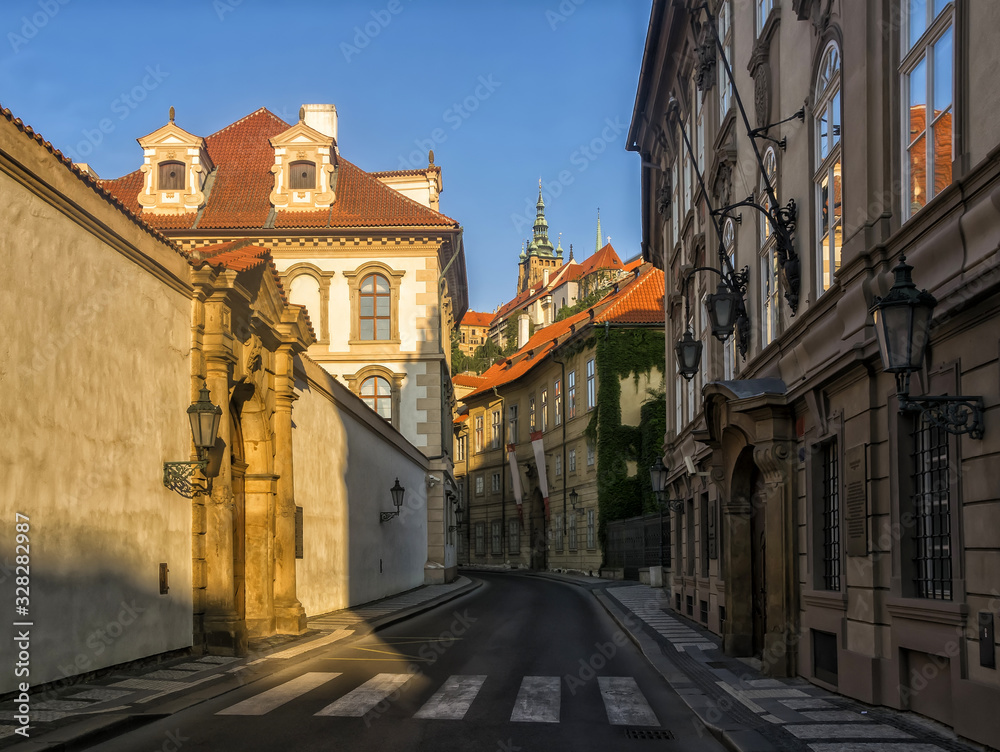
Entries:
{"x":363,"y":699}
{"x":625,"y":703}
{"x":538,"y":700}
{"x":267,"y":701}
{"x":340,"y":634}
{"x":453,"y":700}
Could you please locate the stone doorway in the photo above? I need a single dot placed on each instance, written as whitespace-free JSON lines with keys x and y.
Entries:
{"x":758,"y":563}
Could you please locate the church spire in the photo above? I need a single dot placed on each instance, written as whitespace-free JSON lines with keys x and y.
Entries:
{"x":541,"y":240}
{"x":598,"y":246}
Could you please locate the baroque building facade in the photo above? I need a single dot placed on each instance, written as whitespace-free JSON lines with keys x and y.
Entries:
{"x":822,"y":529}
{"x":380,"y":271}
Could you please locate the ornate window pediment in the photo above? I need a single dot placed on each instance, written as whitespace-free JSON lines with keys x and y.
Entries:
{"x":175,"y":166}
{"x":305,"y":169}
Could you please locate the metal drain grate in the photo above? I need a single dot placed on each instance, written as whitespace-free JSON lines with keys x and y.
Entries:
{"x":643,"y":733}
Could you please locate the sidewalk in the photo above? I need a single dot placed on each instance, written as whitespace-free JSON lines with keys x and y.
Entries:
{"x":745,"y":710}
{"x":81,"y":714}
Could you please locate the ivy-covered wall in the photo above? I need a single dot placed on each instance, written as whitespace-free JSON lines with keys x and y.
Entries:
{"x":623,"y":354}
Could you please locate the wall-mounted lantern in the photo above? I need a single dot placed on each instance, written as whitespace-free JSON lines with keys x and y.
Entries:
{"x":396,"y":492}
{"x":902,"y":326}
{"x":204,"y":417}
{"x":459,"y":515}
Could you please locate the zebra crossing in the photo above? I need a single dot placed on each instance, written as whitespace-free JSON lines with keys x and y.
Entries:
{"x":539,"y":698}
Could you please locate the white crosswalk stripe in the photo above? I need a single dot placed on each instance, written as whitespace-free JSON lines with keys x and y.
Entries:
{"x":267,"y":701}
{"x":360,"y":701}
{"x":453,"y":700}
{"x":625,"y":702}
{"x":538,"y":700}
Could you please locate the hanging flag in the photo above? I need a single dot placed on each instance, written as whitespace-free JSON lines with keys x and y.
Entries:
{"x":515,"y":479}
{"x":543,"y":483}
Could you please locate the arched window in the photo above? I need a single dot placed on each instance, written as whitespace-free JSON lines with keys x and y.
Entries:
{"x":377,"y":394}
{"x":171,"y":177}
{"x":302,"y":176}
{"x":375,"y":308}
{"x":827,"y":175}
{"x":769,"y":299}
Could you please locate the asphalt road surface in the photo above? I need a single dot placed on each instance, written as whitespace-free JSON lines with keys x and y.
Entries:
{"x":523,"y":664}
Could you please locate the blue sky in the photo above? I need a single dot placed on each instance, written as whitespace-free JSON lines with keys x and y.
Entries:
{"x":504,"y":92}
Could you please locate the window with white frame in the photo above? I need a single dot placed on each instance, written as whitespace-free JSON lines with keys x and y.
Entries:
{"x":726,"y":35}
{"x":591,"y":532}
{"x":480,"y":538}
{"x":699,"y":140}
{"x":479,"y":433}
{"x":571,"y":395}
{"x":675,"y":205}
{"x":591,"y":385}
{"x":590,"y":453}
{"x":827,"y":177}
{"x":495,"y":429}
{"x":769,"y":300}
{"x":729,"y":346}
{"x":479,"y":485}
{"x":512,"y":424}
{"x":495,"y":483}
{"x":531,"y":413}
{"x":927,"y":65}
{"x":571,"y":461}
{"x":495,"y":547}
{"x":763,"y":10}
{"x":513,"y":537}
{"x":559,"y":532}
{"x":558,"y":401}
{"x":460,"y":449}
{"x":545,"y":410}
{"x":572,"y":531}
{"x":558,"y":465}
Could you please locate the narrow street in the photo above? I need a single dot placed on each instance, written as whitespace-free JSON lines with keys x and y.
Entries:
{"x":522,"y":663}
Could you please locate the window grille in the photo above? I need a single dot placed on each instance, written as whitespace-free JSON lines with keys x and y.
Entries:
{"x":931,"y":512}
{"x":831,"y":517}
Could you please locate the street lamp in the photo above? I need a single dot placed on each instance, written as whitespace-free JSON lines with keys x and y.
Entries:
{"x":204,"y":417}
{"x":902,"y":326}
{"x":688,"y":351}
{"x":459,"y":514}
{"x":573,"y":498}
{"x":396,"y":492}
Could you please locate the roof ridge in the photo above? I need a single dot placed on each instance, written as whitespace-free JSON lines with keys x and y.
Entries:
{"x":247,"y":117}
{"x":397,"y":193}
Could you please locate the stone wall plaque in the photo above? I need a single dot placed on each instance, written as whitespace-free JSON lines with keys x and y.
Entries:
{"x":856,"y":500}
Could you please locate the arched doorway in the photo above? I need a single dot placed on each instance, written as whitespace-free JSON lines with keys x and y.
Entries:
{"x":745,"y":516}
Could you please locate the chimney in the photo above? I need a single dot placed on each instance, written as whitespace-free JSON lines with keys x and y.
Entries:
{"x":545,"y":278}
{"x":522,"y":330}
{"x":322,"y":117}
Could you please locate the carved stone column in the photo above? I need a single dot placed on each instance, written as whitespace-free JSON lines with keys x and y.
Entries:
{"x":261,"y":489}
{"x":290,"y":617}
{"x":737,"y":636}
{"x":774,"y":459}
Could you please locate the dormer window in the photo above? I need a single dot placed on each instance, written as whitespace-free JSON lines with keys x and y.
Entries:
{"x":171,"y":176}
{"x":302,"y":176}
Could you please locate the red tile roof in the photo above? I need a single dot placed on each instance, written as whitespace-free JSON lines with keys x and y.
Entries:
{"x":467,"y":379}
{"x":638,"y":301}
{"x":631,"y":266}
{"x":475,"y":318}
{"x":418,"y":173}
{"x":606,"y":258}
{"x":239,"y":196}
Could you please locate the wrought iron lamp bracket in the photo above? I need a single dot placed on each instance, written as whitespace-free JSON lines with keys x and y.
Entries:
{"x":177,"y":476}
{"x":957,"y":414}
{"x":386,"y":516}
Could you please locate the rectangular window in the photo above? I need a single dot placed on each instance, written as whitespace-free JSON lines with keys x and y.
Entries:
{"x":479,"y":485}
{"x":689,"y":548}
{"x":545,"y":410}
{"x":558,"y":398}
{"x":531,"y":414}
{"x":931,"y":504}
{"x":572,"y":531}
{"x":558,"y":465}
{"x":495,"y":429}
{"x":559,"y":532}
{"x":479,"y":433}
{"x":726,"y":35}
{"x":571,"y":395}
{"x":495,"y":544}
{"x":590,"y":454}
{"x":703,"y":535}
{"x":495,"y":483}
{"x":480,"y":538}
{"x":591,"y":531}
{"x":831,"y":516}
{"x":768,"y":294}
{"x":678,"y":402}
{"x":514,"y":537}
{"x":572,"y":460}
{"x":591,"y":386}
{"x":460,"y":451}
{"x":926,"y":90}
{"x":512,"y":424}
{"x":763,"y":11}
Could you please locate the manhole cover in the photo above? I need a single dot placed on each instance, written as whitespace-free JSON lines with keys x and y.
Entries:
{"x":642,"y":733}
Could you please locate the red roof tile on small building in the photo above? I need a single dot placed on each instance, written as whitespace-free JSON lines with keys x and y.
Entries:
{"x":476,"y":318}
{"x":639,"y":301}
{"x":239,"y":195}
{"x":606,"y":258}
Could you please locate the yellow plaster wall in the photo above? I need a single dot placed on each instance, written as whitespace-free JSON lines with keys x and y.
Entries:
{"x":95,"y":368}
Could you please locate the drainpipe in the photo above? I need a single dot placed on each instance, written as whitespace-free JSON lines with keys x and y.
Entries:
{"x":503,"y":478}
{"x":562,"y":387}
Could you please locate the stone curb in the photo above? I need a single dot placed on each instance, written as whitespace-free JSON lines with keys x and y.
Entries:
{"x":92,"y":730}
